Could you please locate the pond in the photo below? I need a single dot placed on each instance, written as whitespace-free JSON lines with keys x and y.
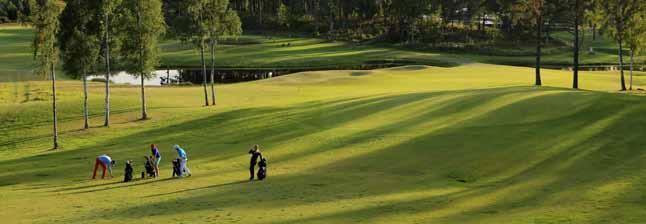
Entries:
{"x":188,"y":76}
{"x":159,"y":78}
{"x":194,"y":75}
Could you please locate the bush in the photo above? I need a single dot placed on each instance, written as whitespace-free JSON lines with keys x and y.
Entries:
{"x":98,"y":80}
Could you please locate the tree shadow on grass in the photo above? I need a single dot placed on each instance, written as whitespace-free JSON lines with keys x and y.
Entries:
{"x":199,"y":188}
{"x":363,"y":174}
{"x":445,"y":148}
{"x":235,"y":129}
{"x":87,"y":186}
{"x":523,"y":196}
{"x":114,"y":183}
{"x":233,"y":126}
{"x":121,"y":184}
{"x":324,"y":55}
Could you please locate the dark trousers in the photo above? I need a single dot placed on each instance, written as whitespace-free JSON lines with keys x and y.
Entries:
{"x":252,"y":168}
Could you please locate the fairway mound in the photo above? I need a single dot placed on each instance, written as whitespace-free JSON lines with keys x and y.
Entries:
{"x":408,"y":68}
{"x":338,"y":77}
{"x":360,"y":73}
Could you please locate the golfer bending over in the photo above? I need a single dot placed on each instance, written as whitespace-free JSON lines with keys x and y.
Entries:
{"x":106,"y":163}
{"x":184,"y":159}
{"x":255,"y":155}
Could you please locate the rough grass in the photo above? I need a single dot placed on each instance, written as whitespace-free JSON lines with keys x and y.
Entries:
{"x":470,"y":144}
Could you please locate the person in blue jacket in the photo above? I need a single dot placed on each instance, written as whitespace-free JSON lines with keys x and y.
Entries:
{"x":183,"y":160}
{"x":157,"y":156}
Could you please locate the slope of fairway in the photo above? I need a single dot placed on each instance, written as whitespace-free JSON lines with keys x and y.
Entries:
{"x":416,"y":144}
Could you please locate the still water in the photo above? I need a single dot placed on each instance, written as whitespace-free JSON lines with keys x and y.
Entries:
{"x":159,"y":78}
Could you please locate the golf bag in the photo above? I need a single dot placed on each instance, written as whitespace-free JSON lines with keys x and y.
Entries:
{"x":177,"y":168}
{"x":262,"y":169}
{"x":150,"y":167}
{"x":128,"y":173}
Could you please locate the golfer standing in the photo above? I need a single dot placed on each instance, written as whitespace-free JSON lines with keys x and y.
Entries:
{"x":255,"y":155}
{"x":183,"y":160}
{"x":157,"y":155}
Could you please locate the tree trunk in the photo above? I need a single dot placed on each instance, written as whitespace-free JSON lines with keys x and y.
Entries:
{"x":594,"y":32}
{"x":484,"y":23}
{"x":144,"y":112}
{"x":54,"y":113}
{"x":212,"y":73}
{"x":632,"y":56}
{"x":86,"y":124}
{"x":260,"y":13}
{"x":206,"y":95}
{"x":621,"y":65}
{"x":575,"y":69}
{"x":539,"y":26}
{"x":107,"y":74}
{"x":582,"y":34}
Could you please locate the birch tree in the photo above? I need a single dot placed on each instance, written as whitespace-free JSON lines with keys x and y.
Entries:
{"x":44,"y":19}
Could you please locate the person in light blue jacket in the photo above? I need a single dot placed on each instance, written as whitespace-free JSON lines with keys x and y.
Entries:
{"x":183,"y":159}
{"x":106,"y":163}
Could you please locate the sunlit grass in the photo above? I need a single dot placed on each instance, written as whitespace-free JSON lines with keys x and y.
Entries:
{"x":415,"y":144}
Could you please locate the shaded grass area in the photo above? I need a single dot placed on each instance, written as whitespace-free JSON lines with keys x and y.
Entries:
{"x":317,"y":53}
{"x":471,"y":144}
{"x":15,"y":55}
{"x":303,"y":53}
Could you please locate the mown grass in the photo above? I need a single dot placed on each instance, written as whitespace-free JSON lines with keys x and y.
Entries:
{"x":16,"y":56}
{"x":308,"y":53}
{"x":416,"y":144}
{"x":318,"y":53}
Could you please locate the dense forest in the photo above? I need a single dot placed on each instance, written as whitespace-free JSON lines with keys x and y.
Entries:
{"x":428,"y":21}
{"x":431,"y":21}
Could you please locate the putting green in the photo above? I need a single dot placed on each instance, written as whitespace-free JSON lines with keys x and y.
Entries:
{"x":470,"y":144}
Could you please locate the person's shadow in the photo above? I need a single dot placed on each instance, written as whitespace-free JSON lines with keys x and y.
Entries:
{"x":199,"y":188}
{"x":111,"y":185}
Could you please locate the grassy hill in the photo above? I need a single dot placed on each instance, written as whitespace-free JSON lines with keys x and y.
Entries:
{"x":16,"y":56}
{"x":254,"y":51}
{"x":416,"y":144}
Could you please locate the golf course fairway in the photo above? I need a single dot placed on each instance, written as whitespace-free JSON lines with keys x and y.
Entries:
{"x":470,"y":144}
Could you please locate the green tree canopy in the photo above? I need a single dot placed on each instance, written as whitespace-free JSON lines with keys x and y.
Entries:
{"x":45,"y":21}
{"x":141,"y":25}
{"x":80,"y":36}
